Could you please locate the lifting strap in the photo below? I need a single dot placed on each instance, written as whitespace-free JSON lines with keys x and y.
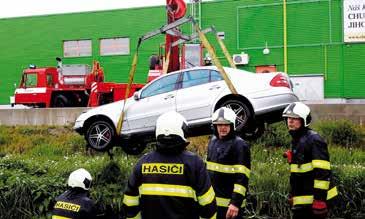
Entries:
{"x":225,"y":50}
{"x":220,"y":41}
{"x":163,"y":29}
{"x":130,"y":81}
{"x":166,"y":62}
{"x":216,"y":61}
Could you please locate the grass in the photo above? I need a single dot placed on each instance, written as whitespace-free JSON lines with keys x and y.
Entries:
{"x":36,"y":161}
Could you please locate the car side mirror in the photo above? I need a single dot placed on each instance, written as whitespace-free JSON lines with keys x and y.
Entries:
{"x":136,"y":95}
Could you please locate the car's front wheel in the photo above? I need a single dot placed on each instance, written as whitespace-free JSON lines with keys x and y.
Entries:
{"x":99,"y":135}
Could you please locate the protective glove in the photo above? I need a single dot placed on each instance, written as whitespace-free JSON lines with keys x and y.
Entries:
{"x":319,"y":209}
{"x":288,"y":155}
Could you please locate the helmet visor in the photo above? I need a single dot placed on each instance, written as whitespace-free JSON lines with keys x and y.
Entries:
{"x":221,"y":121}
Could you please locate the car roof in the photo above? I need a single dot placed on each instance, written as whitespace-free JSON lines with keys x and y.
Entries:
{"x":228,"y":70}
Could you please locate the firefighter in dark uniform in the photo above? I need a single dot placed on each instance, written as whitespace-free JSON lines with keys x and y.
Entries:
{"x":75,"y":202}
{"x":311,"y":187}
{"x":228,"y":164}
{"x":170,"y":182}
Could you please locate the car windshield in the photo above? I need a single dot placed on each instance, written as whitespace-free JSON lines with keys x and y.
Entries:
{"x":162,"y":85}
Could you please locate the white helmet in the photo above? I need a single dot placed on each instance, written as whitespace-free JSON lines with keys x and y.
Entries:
{"x":223,"y":116}
{"x":80,"y":178}
{"x":171,"y":124}
{"x":298,"y":110}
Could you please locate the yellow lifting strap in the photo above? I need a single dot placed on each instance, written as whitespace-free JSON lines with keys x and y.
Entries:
{"x":130,"y":81}
{"x":166,"y":63}
{"x":216,"y":61}
{"x":225,"y":50}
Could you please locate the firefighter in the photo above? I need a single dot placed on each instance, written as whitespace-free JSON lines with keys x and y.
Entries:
{"x":228,"y":165}
{"x":170,"y":182}
{"x":310,"y":170}
{"x":75,"y":202}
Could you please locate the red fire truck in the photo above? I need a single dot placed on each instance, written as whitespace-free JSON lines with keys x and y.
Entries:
{"x":68,"y":86}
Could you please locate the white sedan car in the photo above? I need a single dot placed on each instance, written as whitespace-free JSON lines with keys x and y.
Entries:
{"x":195,"y":93}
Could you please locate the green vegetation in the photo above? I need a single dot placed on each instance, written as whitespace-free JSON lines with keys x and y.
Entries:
{"x":36,"y":161}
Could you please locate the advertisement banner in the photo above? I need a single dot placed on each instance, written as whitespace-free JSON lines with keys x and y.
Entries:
{"x":354,"y":21}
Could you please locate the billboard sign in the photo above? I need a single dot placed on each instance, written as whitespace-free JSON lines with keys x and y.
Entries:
{"x":354,"y":21}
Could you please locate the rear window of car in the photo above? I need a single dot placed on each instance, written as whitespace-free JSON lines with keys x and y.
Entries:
{"x":163,"y":85}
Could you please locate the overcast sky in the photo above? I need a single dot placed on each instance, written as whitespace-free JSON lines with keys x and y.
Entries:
{"x":20,"y":8}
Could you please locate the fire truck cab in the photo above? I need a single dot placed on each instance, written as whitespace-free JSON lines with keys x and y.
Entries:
{"x":67,"y":86}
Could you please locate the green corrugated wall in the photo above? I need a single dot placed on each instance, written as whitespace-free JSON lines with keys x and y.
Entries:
{"x":315,"y":44}
{"x":38,"y":40}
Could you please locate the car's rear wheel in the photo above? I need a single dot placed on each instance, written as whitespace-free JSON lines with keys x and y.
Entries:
{"x":244,"y":115}
{"x":99,"y":135}
{"x":134,"y":148}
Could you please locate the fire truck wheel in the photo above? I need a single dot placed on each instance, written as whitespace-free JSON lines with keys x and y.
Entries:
{"x":60,"y":101}
{"x":99,"y":135}
{"x":134,"y":148}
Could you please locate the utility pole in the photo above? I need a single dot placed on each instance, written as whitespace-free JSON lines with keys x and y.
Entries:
{"x":285,"y":38}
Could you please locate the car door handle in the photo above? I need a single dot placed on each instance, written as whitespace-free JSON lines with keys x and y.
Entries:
{"x":169,"y":96}
{"x":214,"y":87}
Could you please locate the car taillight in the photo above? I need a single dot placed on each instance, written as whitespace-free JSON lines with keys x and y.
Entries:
{"x":280,"y":81}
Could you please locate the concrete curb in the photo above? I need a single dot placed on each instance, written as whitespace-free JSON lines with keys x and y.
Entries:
{"x":49,"y":116}
{"x":67,"y":116}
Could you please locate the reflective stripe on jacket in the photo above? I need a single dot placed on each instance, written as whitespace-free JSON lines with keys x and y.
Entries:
{"x":75,"y":204}
{"x":169,"y":186}
{"x":310,"y":170}
{"x":229,"y":164}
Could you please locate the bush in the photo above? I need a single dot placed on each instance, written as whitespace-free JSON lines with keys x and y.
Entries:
{"x":342,"y":132}
{"x":275,"y":135}
{"x":23,"y":139}
{"x":31,"y":180}
{"x":3,"y":136}
{"x":28,"y":186}
{"x":199,"y":145}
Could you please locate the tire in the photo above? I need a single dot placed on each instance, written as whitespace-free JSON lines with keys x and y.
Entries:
{"x":100,"y":135}
{"x":60,"y":101}
{"x":244,"y":115}
{"x":134,"y":148}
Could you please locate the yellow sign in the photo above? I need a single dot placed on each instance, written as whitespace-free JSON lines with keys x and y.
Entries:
{"x":163,"y":168}
{"x":67,"y":206}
